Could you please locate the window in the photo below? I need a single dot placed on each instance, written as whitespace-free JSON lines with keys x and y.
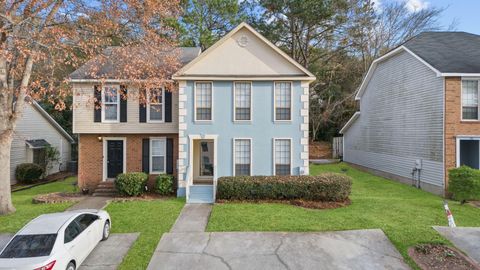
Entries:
{"x":72,"y":231}
{"x":111,"y":104}
{"x":86,"y":220}
{"x":283,"y":101}
{"x":243,"y":101}
{"x":203,"y":101}
{"x":155,"y":106}
{"x":29,"y":245}
{"x":157,"y":155}
{"x":470,"y":91}
{"x":282,"y":156}
{"x":39,"y":156}
{"x":242,"y":151}
{"x":469,"y":153}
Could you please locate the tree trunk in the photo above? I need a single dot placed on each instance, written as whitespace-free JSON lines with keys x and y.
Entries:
{"x":6,"y":205}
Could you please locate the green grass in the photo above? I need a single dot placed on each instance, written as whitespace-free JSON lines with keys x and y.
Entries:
{"x":404,"y":213}
{"x":26,"y":210}
{"x":151,"y":219}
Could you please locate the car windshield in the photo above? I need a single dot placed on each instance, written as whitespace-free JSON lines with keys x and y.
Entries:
{"x":25,"y":246}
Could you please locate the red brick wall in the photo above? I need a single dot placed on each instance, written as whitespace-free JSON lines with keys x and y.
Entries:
{"x":454,"y":126}
{"x":90,"y":156}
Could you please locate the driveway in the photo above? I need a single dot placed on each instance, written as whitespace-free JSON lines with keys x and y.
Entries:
{"x":360,"y":249}
{"x":107,"y":255}
{"x":466,"y":239}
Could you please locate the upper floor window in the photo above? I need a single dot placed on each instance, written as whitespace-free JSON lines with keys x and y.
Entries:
{"x":156,"y":108}
{"x":242,"y":151}
{"x":282,"y":151}
{"x":111,"y":104}
{"x":157,"y":155}
{"x":470,"y":91}
{"x":283,"y":101}
{"x":203,"y":101}
{"x":243,"y":101}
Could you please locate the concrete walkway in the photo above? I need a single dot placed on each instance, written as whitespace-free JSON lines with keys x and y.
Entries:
{"x":466,"y":239}
{"x":193,"y":218}
{"x":91,"y":203}
{"x":361,"y":249}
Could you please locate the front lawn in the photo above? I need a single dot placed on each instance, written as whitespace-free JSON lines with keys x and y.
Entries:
{"x":404,"y":213}
{"x":26,"y":210}
{"x":151,"y":219}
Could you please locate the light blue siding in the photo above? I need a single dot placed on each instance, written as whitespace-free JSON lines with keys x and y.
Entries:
{"x":261,"y":129}
{"x":401,"y":120}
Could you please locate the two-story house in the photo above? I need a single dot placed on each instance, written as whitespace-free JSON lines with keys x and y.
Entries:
{"x":419,"y":111}
{"x":241,"y":108}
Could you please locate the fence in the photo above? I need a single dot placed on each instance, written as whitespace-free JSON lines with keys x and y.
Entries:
{"x":337,"y":147}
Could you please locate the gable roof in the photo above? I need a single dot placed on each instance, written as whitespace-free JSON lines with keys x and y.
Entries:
{"x":52,"y":121}
{"x":303,"y":73}
{"x":448,"y":52}
{"x":94,"y":69}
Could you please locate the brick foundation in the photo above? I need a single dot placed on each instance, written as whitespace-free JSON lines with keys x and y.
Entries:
{"x":90,"y":156}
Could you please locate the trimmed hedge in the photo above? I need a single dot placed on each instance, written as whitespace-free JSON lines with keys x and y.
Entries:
{"x":28,"y":173}
{"x":131,"y":184}
{"x":164,"y":184}
{"x":464,"y":183}
{"x":324,"y":187}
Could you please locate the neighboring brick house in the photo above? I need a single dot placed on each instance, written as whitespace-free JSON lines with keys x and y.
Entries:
{"x":241,"y":108}
{"x":419,"y":111}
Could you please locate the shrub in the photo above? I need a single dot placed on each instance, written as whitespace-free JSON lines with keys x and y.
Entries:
{"x":464,"y":183}
{"x":28,"y":173}
{"x":131,"y":184}
{"x":324,"y":187}
{"x":164,"y":184}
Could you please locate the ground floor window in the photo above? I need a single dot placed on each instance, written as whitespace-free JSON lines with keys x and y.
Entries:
{"x":39,"y":156}
{"x":282,"y":152}
{"x":469,"y":153}
{"x":242,"y":152}
{"x":157,"y":155}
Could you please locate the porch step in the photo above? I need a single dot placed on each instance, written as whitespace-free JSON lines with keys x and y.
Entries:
{"x":105,"y":189}
{"x":201,"y":194}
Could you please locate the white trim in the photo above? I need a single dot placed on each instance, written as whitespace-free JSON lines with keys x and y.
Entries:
{"x":102,"y":93}
{"x":235,"y":105}
{"x":112,"y":81}
{"x":349,"y":122}
{"x":460,"y":74}
{"x":251,"y":153}
{"x":105,"y":154}
{"x":245,"y":78}
{"x":163,"y":107}
{"x":191,"y":149}
{"x":150,"y":156}
{"x":195,"y":102}
{"x":443,"y":137}
{"x":374,"y":64}
{"x":291,"y":154}
{"x":464,"y":138}
{"x":181,"y":72}
{"x":461,"y":100}
{"x":275,"y":102}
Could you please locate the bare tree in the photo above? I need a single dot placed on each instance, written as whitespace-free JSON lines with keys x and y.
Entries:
{"x":36,"y":36}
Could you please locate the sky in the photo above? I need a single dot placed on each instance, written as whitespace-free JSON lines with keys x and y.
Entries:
{"x":465,"y":13}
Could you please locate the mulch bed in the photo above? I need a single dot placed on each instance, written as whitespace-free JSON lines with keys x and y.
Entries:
{"x":440,"y":257}
{"x":143,"y":197}
{"x":299,"y":203}
{"x":475,"y":204}
{"x":58,"y":197}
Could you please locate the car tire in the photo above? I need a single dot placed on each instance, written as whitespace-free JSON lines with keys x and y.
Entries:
{"x":106,"y":230}
{"x":70,"y":266}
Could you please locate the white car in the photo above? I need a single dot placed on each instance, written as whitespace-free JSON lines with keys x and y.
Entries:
{"x":56,"y":241}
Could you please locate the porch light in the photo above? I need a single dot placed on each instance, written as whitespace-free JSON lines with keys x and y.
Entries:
{"x":99,"y":138}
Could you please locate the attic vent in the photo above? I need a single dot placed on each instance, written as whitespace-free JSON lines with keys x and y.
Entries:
{"x":242,"y":41}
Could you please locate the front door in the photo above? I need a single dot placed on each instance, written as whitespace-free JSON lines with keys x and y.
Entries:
{"x":206,"y":159}
{"x":114,"y":158}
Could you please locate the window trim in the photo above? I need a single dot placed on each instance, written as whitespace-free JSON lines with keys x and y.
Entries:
{"x":104,"y":103}
{"x":150,"y":169}
{"x":163,"y":107}
{"x":460,"y":138}
{"x":461,"y":99}
{"x":274,"y":157}
{"x":195,"y":102}
{"x":235,"y":104}
{"x":275,"y":102}
{"x":105,"y":154}
{"x":251,"y":153}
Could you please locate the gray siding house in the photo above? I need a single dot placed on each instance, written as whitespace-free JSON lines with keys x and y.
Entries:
{"x":401,"y":129}
{"x":36,"y":130}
